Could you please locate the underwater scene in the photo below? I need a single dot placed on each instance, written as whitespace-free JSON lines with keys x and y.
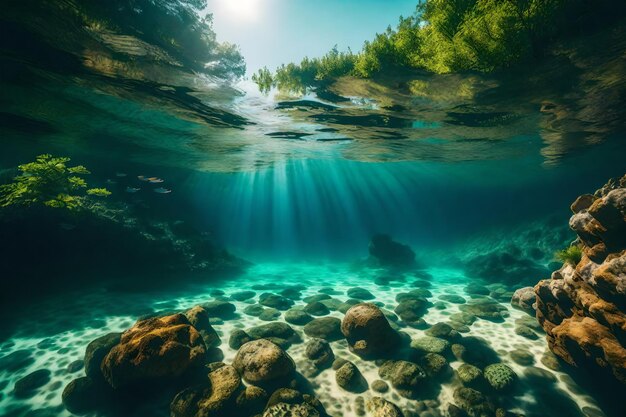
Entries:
{"x":286,"y":208}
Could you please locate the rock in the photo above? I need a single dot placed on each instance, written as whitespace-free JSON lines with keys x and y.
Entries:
{"x":251,"y":400}
{"x":293,"y":293}
{"x":412,"y":310}
{"x":214,"y":398}
{"x":320,"y":352}
{"x":522,"y":357}
{"x":263,"y":363}
{"x":316,"y":308}
{"x":199,"y":318}
{"x":238,"y":338}
{"x":254,"y":310}
{"x":429,"y":344}
{"x":379,"y":407}
{"x":524,"y":299}
{"x":96,"y":350}
{"x":360,"y":294}
{"x":406,"y":377}
{"x":222,"y":309}
{"x":299,"y":317}
{"x":316,"y":297}
{"x":391,"y":254}
{"x":476,"y":289}
{"x":583,"y":202}
{"x":452,"y":298}
{"x":485,"y":309}
{"x":26,"y":386}
{"x":434,"y":364}
{"x":75,"y":366}
{"x":526,"y":332}
{"x":380,"y":386}
{"x":470,"y":375}
{"x":286,"y":402}
{"x":477,"y":351}
{"x":83,"y":394}
{"x":350,"y":378}
{"x":581,"y":308}
{"x":328,"y":328}
{"x":500,"y":376}
{"x":275,"y":301}
{"x":156,"y":348}
{"x":367,"y":331}
{"x":269,"y":314}
{"x":291,"y":410}
{"x":473,"y":402}
{"x":16,"y":360}
{"x":347,"y":305}
{"x":442,"y":330}
{"x":242,"y":295}
{"x":280,"y":333}
{"x":332,"y":304}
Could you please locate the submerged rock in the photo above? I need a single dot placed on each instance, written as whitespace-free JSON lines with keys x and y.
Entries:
{"x":429,"y":344}
{"x":296,"y":316}
{"x":367,"y":331}
{"x":26,"y":386}
{"x":379,"y":407}
{"x":316,"y":308}
{"x":320,"y":352}
{"x":360,"y":294}
{"x":524,"y":299}
{"x":500,"y":376}
{"x":406,"y":377}
{"x":485,"y":309}
{"x":222,"y":309}
{"x":350,"y":378}
{"x":262,"y":362}
{"x":214,"y":398}
{"x":412,"y":310}
{"x":391,"y":254}
{"x":328,"y":328}
{"x":84,"y":394}
{"x":581,"y":308}
{"x":473,"y":402}
{"x":200,"y":319}
{"x":275,"y":301}
{"x":470,"y":375}
{"x":96,"y":350}
{"x":156,"y":348}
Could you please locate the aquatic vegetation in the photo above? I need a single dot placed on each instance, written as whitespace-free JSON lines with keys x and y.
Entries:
{"x":571,"y":255}
{"x":50,"y":182}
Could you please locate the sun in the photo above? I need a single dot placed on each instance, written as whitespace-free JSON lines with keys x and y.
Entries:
{"x":239,"y":10}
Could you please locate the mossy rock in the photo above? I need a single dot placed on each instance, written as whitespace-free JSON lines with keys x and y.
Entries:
{"x":429,"y":344}
{"x":500,"y":376}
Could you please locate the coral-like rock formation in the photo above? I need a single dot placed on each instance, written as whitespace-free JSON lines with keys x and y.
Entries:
{"x":165,"y":347}
{"x":582,"y":307}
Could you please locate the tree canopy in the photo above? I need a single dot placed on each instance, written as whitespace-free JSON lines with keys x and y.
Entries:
{"x":445,"y":36}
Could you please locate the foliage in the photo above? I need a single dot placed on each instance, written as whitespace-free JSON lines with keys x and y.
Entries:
{"x":446,"y":36}
{"x":49,"y":181}
{"x":571,"y":255}
{"x":176,"y":26}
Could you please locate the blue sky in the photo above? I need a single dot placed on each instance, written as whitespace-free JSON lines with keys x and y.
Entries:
{"x":272,"y":32}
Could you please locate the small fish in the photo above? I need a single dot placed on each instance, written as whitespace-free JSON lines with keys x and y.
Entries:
{"x":67,"y":226}
{"x":110,"y":181}
{"x":132,"y":189}
{"x":162,"y":190}
{"x":142,"y":178}
{"x":120,"y":174}
{"x":155,"y":180}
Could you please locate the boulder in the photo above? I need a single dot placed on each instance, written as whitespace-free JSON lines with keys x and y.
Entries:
{"x":350,"y":378}
{"x":84,"y":394}
{"x":222,"y":309}
{"x":359,"y":293}
{"x":96,"y":350}
{"x":412,"y":310}
{"x":327,"y":328}
{"x":524,"y":299}
{"x":390,"y":253}
{"x":429,"y":344}
{"x":27,"y":385}
{"x":298,"y":317}
{"x":216,"y":397}
{"x":367,"y":331}
{"x":263,"y":363}
{"x":379,"y":407}
{"x":275,"y":301}
{"x":500,"y":376}
{"x":473,"y":402}
{"x":280,"y":333}
{"x":316,"y":308}
{"x":199,"y":318}
{"x":406,"y":377}
{"x":320,"y":353}
{"x":157,"y":348}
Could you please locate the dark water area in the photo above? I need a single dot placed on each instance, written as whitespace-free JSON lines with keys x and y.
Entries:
{"x":217,"y":190}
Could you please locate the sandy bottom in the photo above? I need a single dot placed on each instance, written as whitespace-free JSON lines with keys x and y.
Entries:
{"x":56,"y":351}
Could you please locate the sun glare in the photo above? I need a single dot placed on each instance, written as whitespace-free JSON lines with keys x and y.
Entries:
{"x":239,"y":10}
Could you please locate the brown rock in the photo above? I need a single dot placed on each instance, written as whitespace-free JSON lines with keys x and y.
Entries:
{"x":262,"y":362}
{"x":165,"y":347}
{"x":367,"y":330}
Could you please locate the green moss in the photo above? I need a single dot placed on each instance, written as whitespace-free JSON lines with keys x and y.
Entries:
{"x":571,"y":255}
{"x":48,"y":181}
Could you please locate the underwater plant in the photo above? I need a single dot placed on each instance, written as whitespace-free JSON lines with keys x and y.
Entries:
{"x":571,"y":255}
{"x":49,"y":181}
